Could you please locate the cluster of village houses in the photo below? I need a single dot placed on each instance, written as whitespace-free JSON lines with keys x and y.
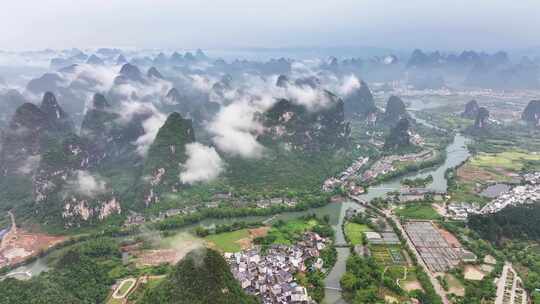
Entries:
{"x":532,"y":178}
{"x":526,"y":194}
{"x":382,"y":166}
{"x":386,"y":164}
{"x":270,"y":275}
{"x":334,"y":182}
{"x":523,"y":194}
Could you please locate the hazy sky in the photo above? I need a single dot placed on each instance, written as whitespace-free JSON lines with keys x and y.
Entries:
{"x":441,"y":24}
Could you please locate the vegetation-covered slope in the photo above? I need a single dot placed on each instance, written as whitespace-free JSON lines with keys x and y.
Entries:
{"x":81,"y":276}
{"x":521,"y":222}
{"x":202,"y":277}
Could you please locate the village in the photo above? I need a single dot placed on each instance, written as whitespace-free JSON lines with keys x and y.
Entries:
{"x":386,"y":164}
{"x":381,"y":167}
{"x":270,"y":275}
{"x":335,"y":182}
{"x":518,"y":195}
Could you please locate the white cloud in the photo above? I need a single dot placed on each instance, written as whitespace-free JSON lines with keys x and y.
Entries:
{"x":87,"y":184}
{"x":312,"y":99}
{"x":348,"y":85}
{"x":151,"y":125}
{"x":235,"y":129}
{"x":203,"y":164}
{"x":201,"y":83}
{"x":151,"y":128}
{"x":30,"y":164}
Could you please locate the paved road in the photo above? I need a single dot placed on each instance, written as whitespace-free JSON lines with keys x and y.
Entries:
{"x":502,"y":283}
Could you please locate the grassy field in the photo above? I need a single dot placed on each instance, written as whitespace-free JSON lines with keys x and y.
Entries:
{"x":418,"y":211}
{"x":228,"y":241}
{"x":289,"y":231}
{"x":465,"y":191}
{"x":508,"y":160}
{"x":454,"y":285}
{"x":355,"y":232}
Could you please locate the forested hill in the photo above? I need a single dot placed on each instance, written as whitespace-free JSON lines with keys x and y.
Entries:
{"x":202,"y":277}
{"x":79,"y":276}
{"x":521,"y":222}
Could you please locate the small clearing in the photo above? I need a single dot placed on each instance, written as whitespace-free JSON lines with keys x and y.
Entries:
{"x":472,"y":273}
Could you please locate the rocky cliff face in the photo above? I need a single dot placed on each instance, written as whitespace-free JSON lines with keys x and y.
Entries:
{"x":57,"y":162}
{"x":307,"y":130}
{"x":39,"y":145}
{"x":360,"y":102}
{"x":282,"y":81}
{"x":482,"y":118}
{"x":153,"y":72}
{"x":399,"y":136}
{"x":165,"y":157}
{"x":111,"y":136}
{"x":471,"y":110}
{"x":95,"y":60}
{"x":78,"y":210}
{"x":64,"y":187}
{"x":24,"y":138}
{"x":395,"y":111}
{"x":59,"y":120}
{"x":531,"y":114}
{"x":129,"y":72}
{"x":199,"y":110}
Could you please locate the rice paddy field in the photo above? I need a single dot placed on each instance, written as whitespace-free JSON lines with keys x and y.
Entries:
{"x":509,"y":160}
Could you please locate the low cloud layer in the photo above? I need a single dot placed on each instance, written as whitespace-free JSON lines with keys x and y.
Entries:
{"x":204,"y":164}
{"x":235,"y":129}
{"x":87,"y":184}
{"x":30,"y":164}
{"x":151,"y":125}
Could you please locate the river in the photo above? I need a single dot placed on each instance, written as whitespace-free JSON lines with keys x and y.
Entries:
{"x":456,"y":153}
